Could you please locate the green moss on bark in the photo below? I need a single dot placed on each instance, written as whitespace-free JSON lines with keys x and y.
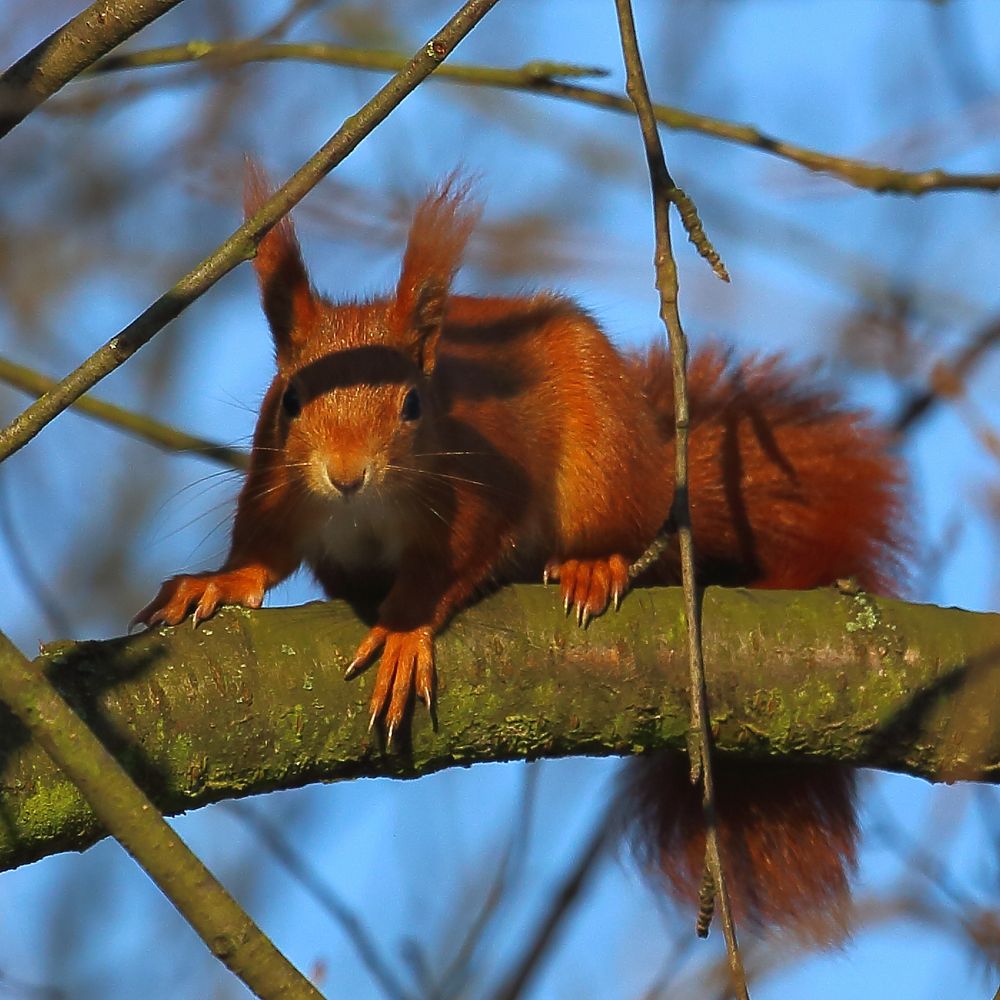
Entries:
{"x":253,"y":701}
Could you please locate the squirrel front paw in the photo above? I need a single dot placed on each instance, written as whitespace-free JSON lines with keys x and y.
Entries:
{"x":589,"y":585}
{"x":202,"y":592}
{"x":406,"y":666}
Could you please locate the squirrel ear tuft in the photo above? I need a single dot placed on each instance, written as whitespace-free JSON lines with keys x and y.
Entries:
{"x":289,"y":302}
{"x":440,"y":230}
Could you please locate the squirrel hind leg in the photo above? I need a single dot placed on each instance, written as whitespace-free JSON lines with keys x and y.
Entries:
{"x":788,"y":837}
{"x":588,"y":586}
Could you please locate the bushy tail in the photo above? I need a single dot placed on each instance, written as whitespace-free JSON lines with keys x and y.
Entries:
{"x":788,"y":490}
{"x":787,"y":832}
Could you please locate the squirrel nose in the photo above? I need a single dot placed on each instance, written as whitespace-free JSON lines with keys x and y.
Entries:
{"x":347,"y":487}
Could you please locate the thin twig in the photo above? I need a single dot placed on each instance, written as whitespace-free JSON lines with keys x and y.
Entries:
{"x":297,"y":9}
{"x":139,"y":425}
{"x":133,"y":820}
{"x":663,"y":187}
{"x":51,"y":64}
{"x":948,"y":379}
{"x":561,"y":901}
{"x":297,"y":866}
{"x":242,"y":244}
{"x":33,"y":582}
{"x":540,"y":77}
{"x":221,"y":55}
{"x":452,"y":982}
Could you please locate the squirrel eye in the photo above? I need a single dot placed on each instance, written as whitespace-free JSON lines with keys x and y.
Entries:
{"x":411,"y":406}
{"x":290,"y":401}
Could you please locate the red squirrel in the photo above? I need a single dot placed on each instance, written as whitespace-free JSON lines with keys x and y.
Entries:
{"x":424,"y":445}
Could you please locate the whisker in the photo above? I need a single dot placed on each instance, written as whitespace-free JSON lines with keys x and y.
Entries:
{"x":295,"y":501}
{"x":213,"y":479}
{"x":267,"y":488}
{"x":223,"y":522}
{"x":208,"y":512}
{"x":434,"y":474}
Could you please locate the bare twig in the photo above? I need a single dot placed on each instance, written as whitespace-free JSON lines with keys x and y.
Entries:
{"x":235,"y":53}
{"x":948,"y":379}
{"x":146,"y":428}
{"x":663,"y":190}
{"x":36,"y":76}
{"x":540,"y":78}
{"x":561,"y":901}
{"x":297,"y":9}
{"x":33,"y":582}
{"x":297,"y":866}
{"x":126,"y":812}
{"x":242,"y":244}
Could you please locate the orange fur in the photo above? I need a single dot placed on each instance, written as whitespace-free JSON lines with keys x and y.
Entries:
{"x":788,"y":490}
{"x":420,"y":446}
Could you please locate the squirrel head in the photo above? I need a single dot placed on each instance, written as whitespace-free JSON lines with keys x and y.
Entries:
{"x":353,"y":393}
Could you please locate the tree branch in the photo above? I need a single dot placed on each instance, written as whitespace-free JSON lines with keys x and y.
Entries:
{"x":242,"y":244}
{"x":563,"y":897}
{"x":665,"y":191}
{"x":254,"y":701}
{"x":51,"y":64}
{"x":539,"y":77}
{"x":948,"y":378}
{"x":153,"y":432}
{"x":127,"y":813}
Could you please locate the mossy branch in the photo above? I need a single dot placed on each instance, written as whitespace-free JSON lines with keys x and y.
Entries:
{"x":254,"y":701}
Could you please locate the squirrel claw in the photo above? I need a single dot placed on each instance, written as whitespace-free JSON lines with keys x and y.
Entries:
{"x":590,"y":585}
{"x":405,"y":669}
{"x":201,"y":594}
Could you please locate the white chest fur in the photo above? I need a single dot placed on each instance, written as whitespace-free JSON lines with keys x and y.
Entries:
{"x":360,"y":532}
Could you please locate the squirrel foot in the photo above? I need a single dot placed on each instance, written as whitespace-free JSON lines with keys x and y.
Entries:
{"x":206,"y":592}
{"x":589,"y":585}
{"x":407,"y":666}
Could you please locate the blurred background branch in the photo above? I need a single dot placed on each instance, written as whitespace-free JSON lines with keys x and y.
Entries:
{"x":145,"y":428}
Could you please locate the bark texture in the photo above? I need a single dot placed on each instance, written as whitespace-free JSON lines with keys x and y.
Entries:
{"x":51,"y":64}
{"x":253,"y":701}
